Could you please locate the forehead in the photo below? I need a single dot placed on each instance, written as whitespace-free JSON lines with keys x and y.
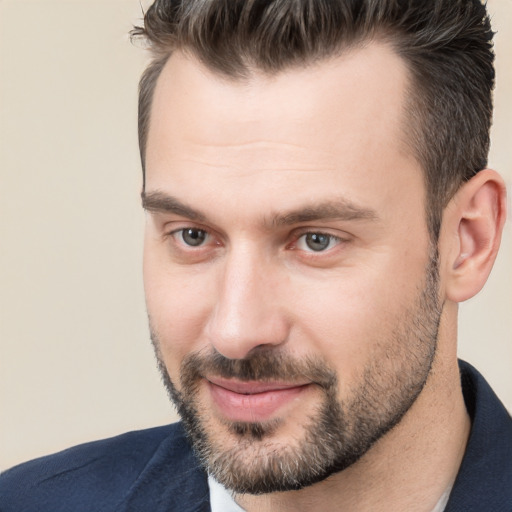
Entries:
{"x":342,"y":117}
{"x":372,"y":78}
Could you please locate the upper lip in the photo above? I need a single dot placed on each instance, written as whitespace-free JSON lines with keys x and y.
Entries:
{"x":253,"y":387}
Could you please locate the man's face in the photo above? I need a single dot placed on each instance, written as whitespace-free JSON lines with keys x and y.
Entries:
{"x":290,"y":282}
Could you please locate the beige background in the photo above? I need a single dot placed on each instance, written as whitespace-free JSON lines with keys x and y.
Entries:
{"x":75,"y":358}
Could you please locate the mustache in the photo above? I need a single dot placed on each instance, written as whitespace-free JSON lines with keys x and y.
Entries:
{"x":265,"y":365}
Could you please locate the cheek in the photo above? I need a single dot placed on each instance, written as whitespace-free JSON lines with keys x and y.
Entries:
{"x":178,"y":305}
{"x":351,"y":317}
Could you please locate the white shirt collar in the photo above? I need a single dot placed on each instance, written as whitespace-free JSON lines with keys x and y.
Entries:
{"x":221,"y":499}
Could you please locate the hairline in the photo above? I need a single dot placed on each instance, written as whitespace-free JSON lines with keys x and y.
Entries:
{"x":412,"y":124}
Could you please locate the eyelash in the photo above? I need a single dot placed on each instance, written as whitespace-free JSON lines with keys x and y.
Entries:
{"x":332,"y":240}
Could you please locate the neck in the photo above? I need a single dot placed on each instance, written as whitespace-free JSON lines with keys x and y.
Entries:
{"x":411,"y":467}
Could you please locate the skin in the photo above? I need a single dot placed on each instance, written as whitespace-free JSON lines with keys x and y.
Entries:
{"x":244,"y":161}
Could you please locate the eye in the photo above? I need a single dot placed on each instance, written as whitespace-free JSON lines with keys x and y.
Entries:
{"x":316,"y":242}
{"x":193,"y":237}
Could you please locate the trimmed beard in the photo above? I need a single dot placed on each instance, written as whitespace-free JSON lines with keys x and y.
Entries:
{"x":338,"y":432}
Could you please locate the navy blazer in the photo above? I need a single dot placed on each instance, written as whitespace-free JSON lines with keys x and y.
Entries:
{"x":155,"y":470}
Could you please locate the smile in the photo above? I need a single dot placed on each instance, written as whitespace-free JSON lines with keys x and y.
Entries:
{"x":252,"y":401}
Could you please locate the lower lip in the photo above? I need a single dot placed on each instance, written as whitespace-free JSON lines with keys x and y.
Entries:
{"x":252,"y":408}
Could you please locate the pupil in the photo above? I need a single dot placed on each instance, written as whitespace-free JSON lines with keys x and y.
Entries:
{"x":193,"y":237}
{"x":317,"y":241}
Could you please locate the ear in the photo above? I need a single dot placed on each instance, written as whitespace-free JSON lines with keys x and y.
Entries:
{"x":472,"y":226}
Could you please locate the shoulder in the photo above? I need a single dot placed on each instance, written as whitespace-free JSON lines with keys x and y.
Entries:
{"x":484,"y":481}
{"x":97,"y":472}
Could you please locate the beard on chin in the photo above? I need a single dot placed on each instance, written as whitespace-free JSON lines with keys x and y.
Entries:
{"x":247,"y":457}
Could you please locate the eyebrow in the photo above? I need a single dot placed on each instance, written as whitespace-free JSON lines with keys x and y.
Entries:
{"x":339,"y":209}
{"x":159,"y":202}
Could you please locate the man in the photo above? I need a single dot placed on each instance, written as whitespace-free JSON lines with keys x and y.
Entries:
{"x":317,"y":205}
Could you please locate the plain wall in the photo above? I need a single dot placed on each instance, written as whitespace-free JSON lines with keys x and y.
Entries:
{"x":75,"y":358}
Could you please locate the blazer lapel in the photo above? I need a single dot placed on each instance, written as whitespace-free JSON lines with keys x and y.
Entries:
{"x":173,"y":480}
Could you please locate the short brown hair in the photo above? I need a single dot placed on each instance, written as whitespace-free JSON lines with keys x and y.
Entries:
{"x":447,"y":45}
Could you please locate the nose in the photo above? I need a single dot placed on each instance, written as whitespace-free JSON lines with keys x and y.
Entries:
{"x":247,"y":314}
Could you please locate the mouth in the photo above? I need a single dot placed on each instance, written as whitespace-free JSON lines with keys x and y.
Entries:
{"x":253,"y":401}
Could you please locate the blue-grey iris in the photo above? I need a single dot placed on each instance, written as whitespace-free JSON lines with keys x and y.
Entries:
{"x":317,"y":241}
{"x":193,"y":236}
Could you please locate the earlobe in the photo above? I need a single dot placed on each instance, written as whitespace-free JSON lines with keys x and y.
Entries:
{"x":476,"y":214}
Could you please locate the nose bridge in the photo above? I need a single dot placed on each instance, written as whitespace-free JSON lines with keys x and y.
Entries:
{"x":246,"y":314}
